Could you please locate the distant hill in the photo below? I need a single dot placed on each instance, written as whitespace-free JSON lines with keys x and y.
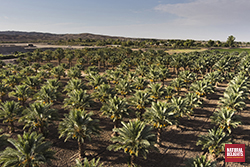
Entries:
{"x":19,"y":36}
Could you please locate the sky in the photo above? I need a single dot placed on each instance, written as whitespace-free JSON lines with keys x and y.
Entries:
{"x":160,"y":19}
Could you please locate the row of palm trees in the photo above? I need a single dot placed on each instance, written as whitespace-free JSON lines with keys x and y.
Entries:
{"x":147,"y":97}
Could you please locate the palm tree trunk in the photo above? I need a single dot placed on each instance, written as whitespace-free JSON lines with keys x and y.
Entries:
{"x":159,"y":130}
{"x":81,"y":150}
{"x":99,"y":65}
{"x":115,"y":126}
{"x":132,"y":159}
{"x":12,"y":127}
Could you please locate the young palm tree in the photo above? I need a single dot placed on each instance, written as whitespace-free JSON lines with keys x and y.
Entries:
{"x":69,"y":56}
{"x":9,"y":112}
{"x":39,"y":115}
{"x":22,"y":92}
{"x":180,"y":106}
{"x":202,"y":87}
{"x":54,"y":84}
{"x":140,"y":83}
{"x":156,"y":91}
{"x":58,"y":71}
{"x":233,"y":100}
{"x":142,"y":70}
{"x":226,"y":119}
{"x":103,"y":92}
{"x":178,"y":83}
{"x":135,"y":138}
{"x":187,"y":76}
{"x":78,"y":125}
{"x":96,"y":80}
{"x":29,"y":150}
{"x":200,"y":162}
{"x":163,"y":73}
{"x":78,"y":99}
{"x":160,"y":115}
{"x":74,"y":72}
{"x":169,"y":92}
{"x":86,"y":163}
{"x":47,"y":56}
{"x":214,"y":141}
{"x":193,"y":100}
{"x":33,"y":82}
{"x":47,"y":94}
{"x":59,"y":55}
{"x":75,"y":84}
{"x":36,"y":66}
{"x":140,"y":100}
{"x":116,"y":109}
{"x":124,"y":87}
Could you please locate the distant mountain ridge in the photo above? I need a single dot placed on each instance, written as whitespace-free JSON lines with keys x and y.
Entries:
{"x":20,"y":36}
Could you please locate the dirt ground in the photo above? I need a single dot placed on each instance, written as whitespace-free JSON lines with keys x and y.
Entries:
{"x":178,"y":143}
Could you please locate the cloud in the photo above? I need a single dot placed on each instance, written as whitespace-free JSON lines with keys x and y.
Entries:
{"x":208,"y":12}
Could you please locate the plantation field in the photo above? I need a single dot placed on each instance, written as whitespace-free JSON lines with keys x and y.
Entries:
{"x":230,"y":50}
{"x":171,"y":51}
{"x":175,"y":100}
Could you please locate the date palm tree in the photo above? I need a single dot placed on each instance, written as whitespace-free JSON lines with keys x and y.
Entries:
{"x":214,"y":141}
{"x":180,"y":106}
{"x":160,"y":115}
{"x":69,"y":55}
{"x":116,"y":109}
{"x":103,"y":92}
{"x":233,"y":100}
{"x":200,"y":162}
{"x":178,"y":83}
{"x":58,"y":71}
{"x":29,"y":150}
{"x":140,"y":100}
{"x":22,"y":93}
{"x":39,"y":115}
{"x":33,"y":82}
{"x":140,"y":83}
{"x":135,"y":138}
{"x":226,"y":119}
{"x":96,"y":80}
{"x":36,"y":66}
{"x":202,"y":87}
{"x":9,"y":112}
{"x":47,"y":94}
{"x":86,"y":163}
{"x":124,"y":87}
{"x":75,"y":84}
{"x":156,"y":91}
{"x":74,"y":72}
{"x":59,"y":54}
{"x":78,"y":99}
{"x":169,"y":92}
{"x":78,"y":125}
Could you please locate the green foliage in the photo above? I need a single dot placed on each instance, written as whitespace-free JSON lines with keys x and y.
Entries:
{"x":78,"y":99}
{"x":214,"y":141}
{"x":28,"y":150}
{"x":226,"y":119}
{"x":9,"y":112}
{"x":200,"y":162}
{"x":86,"y":163}
{"x":135,"y":138}
{"x":78,"y":125}
{"x":39,"y":115}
